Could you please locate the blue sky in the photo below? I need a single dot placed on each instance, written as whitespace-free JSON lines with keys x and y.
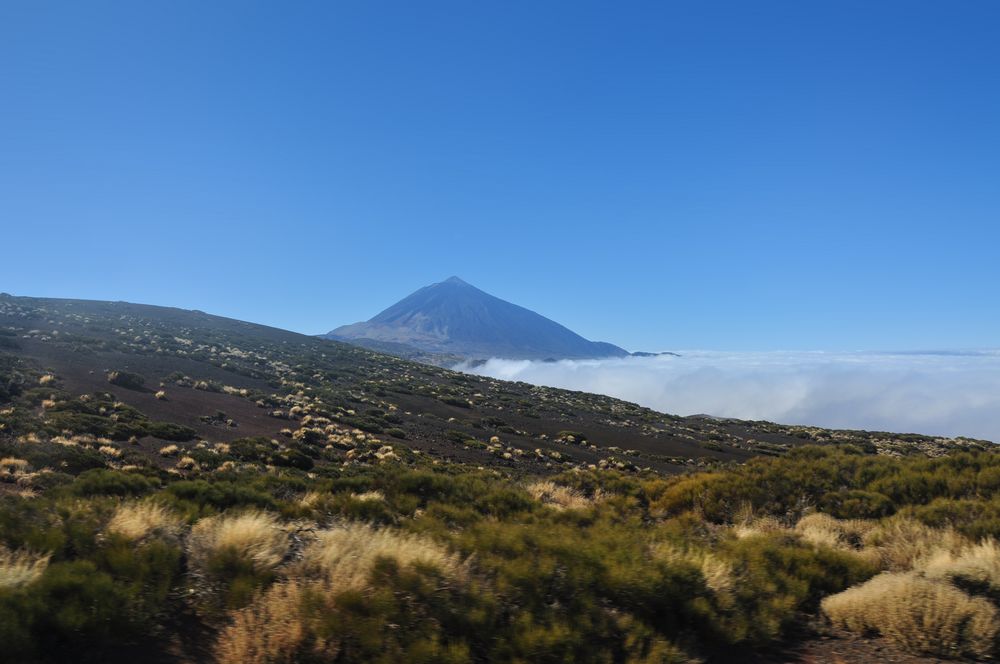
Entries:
{"x":727,"y":175}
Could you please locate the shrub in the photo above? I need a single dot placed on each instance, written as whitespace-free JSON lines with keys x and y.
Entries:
{"x":272,"y":629}
{"x":557,"y":496}
{"x":126,"y":379}
{"x":901,"y":542}
{"x":824,"y":530}
{"x":919,"y":614}
{"x":102,"y":482}
{"x":777,"y":577}
{"x":73,"y":612}
{"x":291,"y":458}
{"x":170,"y":431}
{"x":857,"y":504}
{"x":220,"y":494}
{"x":368,"y":595}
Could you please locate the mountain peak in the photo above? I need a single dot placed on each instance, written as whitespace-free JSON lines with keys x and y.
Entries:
{"x":473,"y":324}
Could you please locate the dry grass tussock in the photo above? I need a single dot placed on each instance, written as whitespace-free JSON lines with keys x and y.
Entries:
{"x":19,"y":568}
{"x":824,"y":530}
{"x":142,"y":520}
{"x":13,"y":465}
{"x":275,"y":628}
{"x":902,"y":542}
{"x":921,"y":614}
{"x":344,"y":556}
{"x":898,"y":544}
{"x":560,"y":497}
{"x":255,"y":537}
{"x":369,"y":496}
{"x":976,"y":565}
{"x":278,"y":625}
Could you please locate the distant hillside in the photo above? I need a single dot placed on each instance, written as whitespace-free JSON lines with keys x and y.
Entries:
{"x":208,"y":365}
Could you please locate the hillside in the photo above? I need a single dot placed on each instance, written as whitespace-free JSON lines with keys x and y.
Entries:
{"x":182,"y":487}
{"x":456,"y":318}
{"x":266,"y":380}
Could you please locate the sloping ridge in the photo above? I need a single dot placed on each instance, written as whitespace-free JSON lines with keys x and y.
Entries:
{"x":455,"y":317}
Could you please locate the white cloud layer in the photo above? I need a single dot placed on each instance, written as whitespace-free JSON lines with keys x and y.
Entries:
{"x":950,"y":394}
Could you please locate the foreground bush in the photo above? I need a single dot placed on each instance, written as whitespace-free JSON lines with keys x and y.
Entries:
{"x":352,"y":581}
{"x":919,"y":614}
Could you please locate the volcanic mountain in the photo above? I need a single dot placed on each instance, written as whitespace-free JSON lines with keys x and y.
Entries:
{"x":454,"y":318}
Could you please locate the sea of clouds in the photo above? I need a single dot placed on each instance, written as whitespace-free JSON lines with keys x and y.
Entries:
{"x":935,"y":393}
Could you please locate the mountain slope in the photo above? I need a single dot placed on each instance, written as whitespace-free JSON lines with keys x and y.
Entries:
{"x":266,"y":381}
{"x":454,"y":317}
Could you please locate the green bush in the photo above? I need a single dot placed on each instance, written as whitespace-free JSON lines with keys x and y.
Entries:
{"x":73,"y":612}
{"x":168,"y":431}
{"x":102,"y":482}
{"x":219,"y":495}
{"x":126,"y":379}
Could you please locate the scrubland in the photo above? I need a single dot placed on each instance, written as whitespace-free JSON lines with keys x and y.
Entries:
{"x":450,"y":563}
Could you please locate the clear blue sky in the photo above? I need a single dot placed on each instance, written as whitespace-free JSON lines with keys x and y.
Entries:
{"x":734,"y":175}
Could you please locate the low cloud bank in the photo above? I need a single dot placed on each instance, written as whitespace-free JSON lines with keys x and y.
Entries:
{"x":949,"y":394}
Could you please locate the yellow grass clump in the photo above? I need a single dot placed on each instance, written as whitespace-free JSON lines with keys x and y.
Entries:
{"x":255,"y":537}
{"x":278,"y":625}
{"x":187,"y":463}
{"x":138,"y":521}
{"x":369,"y":496}
{"x":13,"y":466}
{"x":558,"y":496}
{"x":824,"y":530}
{"x":344,"y":556}
{"x":920,"y":614}
{"x":169,"y":450}
{"x":275,"y":628}
{"x":19,"y":568}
